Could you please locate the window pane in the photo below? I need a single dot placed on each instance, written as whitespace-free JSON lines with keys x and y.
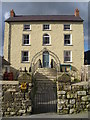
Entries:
{"x":25,"y":56}
{"x":66,"y":39}
{"x":26,"y":27}
{"x":67,"y":55}
{"x":45,"y":40}
{"x":46,"y":27}
{"x":25,"y":39}
{"x":66,"y":27}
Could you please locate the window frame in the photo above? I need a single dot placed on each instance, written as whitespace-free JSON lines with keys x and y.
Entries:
{"x":47,"y":29}
{"x":70,"y":56}
{"x":49,"y":40}
{"x":26,"y":29}
{"x":22,"y":56}
{"x":23,"y":40}
{"x":70,"y":40}
{"x":67,"y":29}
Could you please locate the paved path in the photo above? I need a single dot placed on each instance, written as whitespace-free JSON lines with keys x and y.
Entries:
{"x":52,"y":116}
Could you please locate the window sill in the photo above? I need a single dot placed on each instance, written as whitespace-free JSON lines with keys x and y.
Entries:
{"x":67,"y":30}
{"x":27,"y":30}
{"x":47,"y":45}
{"x":68,"y":62}
{"x":47,"y":30}
{"x":25,"y":62}
{"x":68,"y":45}
{"x":26,"y":45}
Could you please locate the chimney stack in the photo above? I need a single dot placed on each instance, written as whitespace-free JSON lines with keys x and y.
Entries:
{"x":76,"y":12}
{"x":12,"y":13}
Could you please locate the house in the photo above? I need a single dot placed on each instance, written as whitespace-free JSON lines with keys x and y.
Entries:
{"x":4,"y":66}
{"x":32,"y":41}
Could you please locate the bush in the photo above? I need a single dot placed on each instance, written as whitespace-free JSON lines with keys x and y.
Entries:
{"x":65,"y":78}
{"x":76,"y":80}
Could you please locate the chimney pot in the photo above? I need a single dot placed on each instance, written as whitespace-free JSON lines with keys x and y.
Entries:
{"x":12,"y":13}
{"x":76,"y":12}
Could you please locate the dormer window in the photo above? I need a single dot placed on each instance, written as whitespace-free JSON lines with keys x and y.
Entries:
{"x":67,"y":27}
{"x":46,"y":27}
{"x":27,"y":27}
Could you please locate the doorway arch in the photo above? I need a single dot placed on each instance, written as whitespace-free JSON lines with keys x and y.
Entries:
{"x":38,"y":54}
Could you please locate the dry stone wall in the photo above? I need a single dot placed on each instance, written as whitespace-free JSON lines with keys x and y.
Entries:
{"x":73,"y":98}
{"x":14,"y":101}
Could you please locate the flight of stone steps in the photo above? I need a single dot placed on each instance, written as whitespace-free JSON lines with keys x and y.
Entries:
{"x":45,"y":74}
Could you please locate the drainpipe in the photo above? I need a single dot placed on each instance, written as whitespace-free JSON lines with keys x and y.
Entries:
{"x":9,"y":43}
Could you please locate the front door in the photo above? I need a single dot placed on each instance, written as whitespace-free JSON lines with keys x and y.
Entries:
{"x":46,"y":59}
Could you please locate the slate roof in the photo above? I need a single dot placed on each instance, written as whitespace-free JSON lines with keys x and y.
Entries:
{"x":34,"y":18}
{"x":3,"y":61}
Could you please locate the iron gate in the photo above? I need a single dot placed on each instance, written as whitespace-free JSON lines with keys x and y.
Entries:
{"x":45,"y":99}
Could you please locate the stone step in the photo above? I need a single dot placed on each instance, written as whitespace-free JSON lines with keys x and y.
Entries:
{"x":45,"y":77}
{"x":45,"y":81}
{"x":46,"y":73}
{"x":46,"y":70}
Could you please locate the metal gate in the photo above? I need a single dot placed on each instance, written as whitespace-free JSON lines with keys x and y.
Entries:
{"x":45,"y":97}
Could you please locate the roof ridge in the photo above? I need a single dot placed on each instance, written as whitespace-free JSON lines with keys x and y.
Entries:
{"x":43,"y":15}
{"x":21,"y":18}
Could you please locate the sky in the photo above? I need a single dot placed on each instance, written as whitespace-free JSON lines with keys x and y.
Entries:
{"x":46,"y":8}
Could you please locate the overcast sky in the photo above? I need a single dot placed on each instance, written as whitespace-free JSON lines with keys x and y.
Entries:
{"x":46,"y":8}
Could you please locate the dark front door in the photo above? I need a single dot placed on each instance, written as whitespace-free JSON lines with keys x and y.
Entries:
{"x":46,"y":59}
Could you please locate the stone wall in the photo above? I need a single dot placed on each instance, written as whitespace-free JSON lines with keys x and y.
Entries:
{"x":73,"y":98}
{"x":14,"y":101}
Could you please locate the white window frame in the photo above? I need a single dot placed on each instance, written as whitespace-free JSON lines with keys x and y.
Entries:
{"x":67,"y":29}
{"x":22,"y":56}
{"x":70,"y":56}
{"x":26,"y":29}
{"x":23,"y":40}
{"x":47,"y":29}
{"x":70,"y":40}
{"x":49,"y":40}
